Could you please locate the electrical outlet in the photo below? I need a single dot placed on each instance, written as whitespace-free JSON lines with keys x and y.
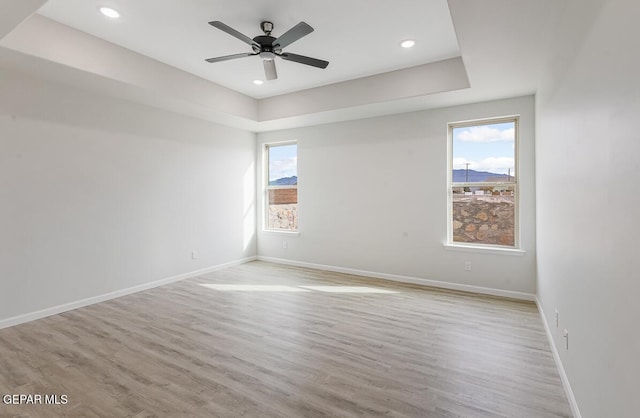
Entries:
{"x":194,"y":255}
{"x":284,"y":244}
{"x":565,"y":334}
{"x":467,"y":266}
{"x":557,"y":320}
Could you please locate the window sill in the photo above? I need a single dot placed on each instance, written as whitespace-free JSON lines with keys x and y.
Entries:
{"x":281,"y":233}
{"x":485,"y":250}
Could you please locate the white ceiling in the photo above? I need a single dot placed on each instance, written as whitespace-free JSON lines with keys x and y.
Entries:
{"x":500,"y":49}
{"x":358,"y":37}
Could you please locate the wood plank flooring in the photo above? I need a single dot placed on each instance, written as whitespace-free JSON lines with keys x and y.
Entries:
{"x":266,"y":340}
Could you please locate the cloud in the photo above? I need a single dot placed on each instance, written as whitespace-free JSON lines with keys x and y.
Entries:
{"x":486,"y":134}
{"x":499,"y":165}
{"x":283,"y":167}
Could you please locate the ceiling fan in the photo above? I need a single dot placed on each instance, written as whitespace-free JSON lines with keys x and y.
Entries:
{"x":269,"y":47}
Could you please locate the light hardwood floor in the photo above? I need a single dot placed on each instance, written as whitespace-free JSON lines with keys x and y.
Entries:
{"x":265,"y":340}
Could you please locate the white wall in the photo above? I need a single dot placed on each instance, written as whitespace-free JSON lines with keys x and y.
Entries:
{"x":588,"y":171}
{"x":99,"y":195}
{"x":373,"y":197}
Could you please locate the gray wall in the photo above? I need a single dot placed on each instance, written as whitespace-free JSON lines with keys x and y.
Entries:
{"x":99,"y":195}
{"x":588,"y":162}
{"x":373,"y":197}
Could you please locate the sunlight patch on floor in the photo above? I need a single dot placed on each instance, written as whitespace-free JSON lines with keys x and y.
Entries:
{"x":285,"y":288}
{"x":254,"y":287}
{"x":347,"y":289}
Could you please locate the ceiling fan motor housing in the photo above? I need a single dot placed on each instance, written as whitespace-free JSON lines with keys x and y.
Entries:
{"x":266,"y":50}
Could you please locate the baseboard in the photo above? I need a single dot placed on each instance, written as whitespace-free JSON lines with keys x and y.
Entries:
{"x":20,"y":319}
{"x":406,"y":279}
{"x":556,"y":356}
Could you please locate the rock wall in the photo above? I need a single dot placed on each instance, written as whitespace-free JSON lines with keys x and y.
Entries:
{"x":283,"y":209}
{"x":484,"y":220}
{"x":283,"y":217}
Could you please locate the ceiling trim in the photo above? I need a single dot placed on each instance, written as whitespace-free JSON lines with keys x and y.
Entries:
{"x":47,"y":39}
{"x":45,"y":48}
{"x":15,"y":12}
{"x":421,"y":80}
{"x":501,"y":58}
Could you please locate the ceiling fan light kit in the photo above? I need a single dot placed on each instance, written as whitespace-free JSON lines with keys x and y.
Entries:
{"x":269,"y":47}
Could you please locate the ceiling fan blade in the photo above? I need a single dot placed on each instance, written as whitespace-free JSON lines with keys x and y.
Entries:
{"x":293,"y":34}
{"x":229,"y":57}
{"x":231,"y":31}
{"x":270,"y":69}
{"x":314,"y":62}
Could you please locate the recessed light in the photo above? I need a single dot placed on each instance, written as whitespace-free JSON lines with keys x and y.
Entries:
{"x":408,"y":43}
{"x":109,"y":12}
{"x":258,"y":82}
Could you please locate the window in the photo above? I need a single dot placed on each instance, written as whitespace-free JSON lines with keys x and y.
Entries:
{"x":282,"y":187}
{"x":483,"y":188}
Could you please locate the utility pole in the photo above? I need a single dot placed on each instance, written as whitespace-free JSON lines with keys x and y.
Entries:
{"x":509,"y":179}
{"x":466,"y":173}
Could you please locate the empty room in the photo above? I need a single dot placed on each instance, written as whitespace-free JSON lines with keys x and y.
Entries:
{"x":421,"y":208}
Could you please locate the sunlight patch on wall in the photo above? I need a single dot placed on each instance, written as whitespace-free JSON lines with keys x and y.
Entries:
{"x":249,"y":220}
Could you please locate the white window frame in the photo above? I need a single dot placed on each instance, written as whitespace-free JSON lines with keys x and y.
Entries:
{"x":515,"y":183}
{"x":267,"y":188}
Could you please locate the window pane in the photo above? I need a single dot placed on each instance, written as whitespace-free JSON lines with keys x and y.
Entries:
{"x":282,"y":191}
{"x":484,"y":153}
{"x":283,"y":165}
{"x":282,"y":209}
{"x":484,"y":215}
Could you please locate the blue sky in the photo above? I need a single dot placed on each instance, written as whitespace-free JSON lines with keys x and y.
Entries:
{"x":485,"y":147}
{"x":283,"y":161}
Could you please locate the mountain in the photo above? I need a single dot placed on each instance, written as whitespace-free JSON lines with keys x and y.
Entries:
{"x":460,"y":176}
{"x":284,"y":181}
